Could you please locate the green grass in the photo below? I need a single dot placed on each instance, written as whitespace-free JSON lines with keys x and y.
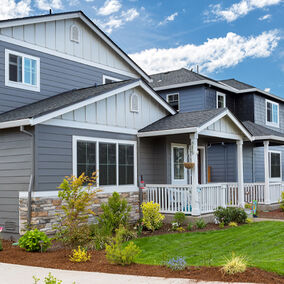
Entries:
{"x":262,"y":243}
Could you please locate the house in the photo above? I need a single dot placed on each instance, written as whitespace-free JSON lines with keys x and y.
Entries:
{"x":72,"y":101}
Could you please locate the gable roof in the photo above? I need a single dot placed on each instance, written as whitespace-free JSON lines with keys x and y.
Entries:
{"x":76,"y":14}
{"x":67,"y":101}
{"x":237,"y":84}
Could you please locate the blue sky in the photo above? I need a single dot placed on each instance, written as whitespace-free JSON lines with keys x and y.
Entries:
{"x":241,"y":39}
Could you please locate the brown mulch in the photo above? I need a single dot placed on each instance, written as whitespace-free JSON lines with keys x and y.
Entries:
{"x":59,"y":259}
{"x":275,"y":214}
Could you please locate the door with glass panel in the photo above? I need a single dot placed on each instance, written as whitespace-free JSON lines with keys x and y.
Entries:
{"x":179,"y":173}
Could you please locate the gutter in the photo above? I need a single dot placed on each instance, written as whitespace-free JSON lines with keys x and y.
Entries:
{"x":31,"y":183}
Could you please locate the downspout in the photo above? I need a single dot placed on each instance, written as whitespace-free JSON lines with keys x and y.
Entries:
{"x":22,"y":129}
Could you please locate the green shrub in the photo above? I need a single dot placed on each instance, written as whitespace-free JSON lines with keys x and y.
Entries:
{"x":282,"y":201}
{"x":189,"y":226}
{"x":34,"y":240}
{"x":230,"y":214}
{"x":179,"y":218}
{"x":79,"y":255}
{"x":1,"y":247}
{"x":221,"y":225}
{"x":236,"y":264}
{"x":48,"y":280}
{"x":100,"y":236}
{"x":115,"y":212}
{"x":200,"y":224}
{"x":152,"y":218}
{"x":118,"y":254}
{"x":233,"y":224}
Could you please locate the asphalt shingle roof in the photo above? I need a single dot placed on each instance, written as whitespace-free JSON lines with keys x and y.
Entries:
{"x":61,"y":100}
{"x":176,"y":77}
{"x":259,"y":130}
{"x":183,"y":120}
{"x":237,"y":84}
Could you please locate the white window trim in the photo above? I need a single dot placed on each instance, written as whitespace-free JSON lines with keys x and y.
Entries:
{"x":270,"y":178}
{"x":173,"y":180}
{"x":219,"y":94}
{"x":105,"y":188}
{"x":110,"y":78}
{"x":173,"y":95}
{"x":131,"y":99}
{"x":268,"y":122}
{"x":22,"y":85}
{"x":71,"y":33}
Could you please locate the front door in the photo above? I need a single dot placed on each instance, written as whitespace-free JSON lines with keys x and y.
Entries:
{"x":178,"y":157}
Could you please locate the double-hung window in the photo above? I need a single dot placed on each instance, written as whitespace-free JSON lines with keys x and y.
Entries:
{"x":275,"y":165}
{"x":22,"y":71}
{"x":272,"y":113}
{"x":173,"y":100}
{"x":113,"y":160}
{"x":220,"y":100}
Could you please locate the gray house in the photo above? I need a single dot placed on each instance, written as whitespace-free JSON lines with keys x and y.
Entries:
{"x":72,"y":101}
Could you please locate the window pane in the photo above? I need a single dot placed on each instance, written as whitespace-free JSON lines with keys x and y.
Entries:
{"x":126,"y":164}
{"x":34,"y":73}
{"x":15,"y":68}
{"x":173,"y":100}
{"x":86,"y":158}
{"x":221,"y":102}
{"x":275,"y":113}
{"x":269,"y":112}
{"x":107,"y":160}
{"x":178,"y":163}
{"x":275,"y":165}
{"x":27,"y":71}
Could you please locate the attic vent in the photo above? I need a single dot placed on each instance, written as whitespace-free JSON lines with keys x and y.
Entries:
{"x":75,"y":33}
{"x":134,"y":103}
{"x":10,"y":227}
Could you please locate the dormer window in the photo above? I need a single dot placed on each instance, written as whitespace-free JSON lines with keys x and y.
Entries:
{"x":220,"y":100}
{"x":75,"y":33}
{"x":173,"y":100}
{"x":22,"y":71}
{"x":272,"y":113}
{"x":134,"y":103}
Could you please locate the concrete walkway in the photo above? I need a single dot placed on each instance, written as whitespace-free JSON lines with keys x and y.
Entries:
{"x":21,"y":274}
{"x":267,"y":219}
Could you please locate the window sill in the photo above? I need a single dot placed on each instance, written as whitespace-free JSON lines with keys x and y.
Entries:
{"x":120,"y":188}
{"x":272,"y":124}
{"x":22,"y":86}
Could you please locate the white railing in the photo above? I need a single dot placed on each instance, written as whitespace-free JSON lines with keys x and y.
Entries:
{"x":231,"y":196}
{"x":275,"y":190}
{"x":254,"y":191}
{"x":170,"y":197}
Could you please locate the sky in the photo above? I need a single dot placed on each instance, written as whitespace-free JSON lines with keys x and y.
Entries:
{"x":241,"y":39}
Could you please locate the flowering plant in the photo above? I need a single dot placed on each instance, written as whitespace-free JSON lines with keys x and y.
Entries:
{"x":175,"y":225}
{"x":1,"y":248}
{"x":178,"y":263}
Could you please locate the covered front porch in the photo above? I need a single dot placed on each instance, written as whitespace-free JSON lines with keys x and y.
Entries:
{"x":181,"y":176}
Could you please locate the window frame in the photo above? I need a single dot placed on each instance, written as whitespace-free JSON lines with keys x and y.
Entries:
{"x":173,"y":94}
{"x":270,"y":123}
{"x":131,"y":103}
{"x":22,"y":85}
{"x":219,"y":94}
{"x":107,"y":188}
{"x":275,"y":179}
{"x":105,"y":77}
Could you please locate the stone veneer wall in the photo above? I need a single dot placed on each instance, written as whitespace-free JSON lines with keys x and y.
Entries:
{"x":45,"y":208}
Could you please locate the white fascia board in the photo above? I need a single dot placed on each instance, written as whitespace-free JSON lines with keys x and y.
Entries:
{"x":213,"y":120}
{"x":15,"y":123}
{"x":269,"y":137}
{"x":156,"y":97}
{"x":219,"y":134}
{"x":167,"y":132}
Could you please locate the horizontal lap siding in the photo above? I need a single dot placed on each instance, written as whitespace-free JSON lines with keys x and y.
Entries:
{"x":15,"y":171}
{"x":56,"y":75}
{"x":54,"y":153}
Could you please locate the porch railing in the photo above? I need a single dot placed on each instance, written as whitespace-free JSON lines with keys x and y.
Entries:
{"x":275,"y":190}
{"x":254,"y":191}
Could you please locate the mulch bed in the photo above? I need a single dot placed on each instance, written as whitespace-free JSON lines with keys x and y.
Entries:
{"x":59,"y":259}
{"x":275,"y":214}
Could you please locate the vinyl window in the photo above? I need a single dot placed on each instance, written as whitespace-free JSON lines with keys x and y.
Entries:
{"x":275,"y":165}
{"x":173,"y":100}
{"x":220,"y":100}
{"x":272,"y":113}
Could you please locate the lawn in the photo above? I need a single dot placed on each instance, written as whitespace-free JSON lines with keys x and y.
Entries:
{"x":262,"y":243}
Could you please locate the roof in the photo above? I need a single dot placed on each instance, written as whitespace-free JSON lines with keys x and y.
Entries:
{"x":184,"y":120}
{"x":179,"y":76}
{"x":87,"y":21}
{"x":260,"y":131}
{"x":237,"y":84}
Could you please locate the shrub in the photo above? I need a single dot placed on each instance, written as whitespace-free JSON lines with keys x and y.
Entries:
{"x":236,"y":264}
{"x":233,"y":224}
{"x":115,"y":212}
{"x":34,"y":240}
{"x":118,"y":254}
{"x":175,"y":225}
{"x":48,"y":280}
{"x":200,"y":224}
{"x":179,"y":218}
{"x":139,"y":228}
{"x":1,"y":247}
{"x":79,"y":255}
{"x":282,"y":201}
{"x":100,"y":236}
{"x":77,"y":195}
{"x":180,"y":229}
{"x":249,"y":221}
{"x":152,"y":218}
{"x":221,"y":225}
{"x":189,"y":226}
{"x":230,"y":214}
{"x":178,"y":263}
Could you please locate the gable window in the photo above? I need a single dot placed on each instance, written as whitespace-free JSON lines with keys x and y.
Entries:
{"x":275,"y":165}
{"x":134,"y":103}
{"x":220,"y":100}
{"x":22,"y":71}
{"x":173,"y":100}
{"x":114,"y":160}
{"x":75,"y":33}
{"x":272,"y":113}
{"x":108,"y":79}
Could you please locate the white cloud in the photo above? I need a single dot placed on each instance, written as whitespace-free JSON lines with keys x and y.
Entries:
{"x":109,"y":7}
{"x":49,"y":4}
{"x":115,"y":22}
{"x":169,"y":19}
{"x":239,"y":9}
{"x":11,"y":9}
{"x":265,"y":17}
{"x":212,"y":55}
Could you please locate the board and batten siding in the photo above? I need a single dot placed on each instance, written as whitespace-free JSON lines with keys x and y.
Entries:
{"x":55,"y":35}
{"x":15,"y":172}
{"x":57,"y":75}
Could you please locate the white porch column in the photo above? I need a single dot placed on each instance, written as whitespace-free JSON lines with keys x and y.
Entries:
{"x":194,"y":173}
{"x":240,"y":173}
{"x":266,"y":173}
